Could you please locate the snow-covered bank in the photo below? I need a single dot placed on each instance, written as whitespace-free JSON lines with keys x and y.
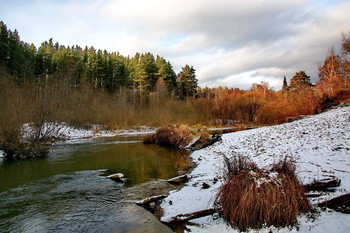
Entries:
{"x":73,"y":134}
{"x":320,"y":146}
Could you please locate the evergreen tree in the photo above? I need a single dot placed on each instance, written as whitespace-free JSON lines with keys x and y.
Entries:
{"x":16,"y":57}
{"x":4,"y":44}
{"x":285,"y":84}
{"x":140,"y":78}
{"x":44,"y":59}
{"x":101,"y":69}
{"x":186,"y":82}
{"x":92,"y":66}
{"x":166,"y":72}
{"x":29,"y":61}
{"x":300,"y":81}
{"x":149,"y":65}
{"x":118,"y":72}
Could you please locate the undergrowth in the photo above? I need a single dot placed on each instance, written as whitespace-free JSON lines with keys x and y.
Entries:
{"x":252,"y":198}
{"x":171,"y":135}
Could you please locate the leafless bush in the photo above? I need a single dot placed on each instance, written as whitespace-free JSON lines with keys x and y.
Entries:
{"x":252,"y":198}
{"x":30,"y":140}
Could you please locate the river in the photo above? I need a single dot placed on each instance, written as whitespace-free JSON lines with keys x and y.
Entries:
{"x":68,"y":190}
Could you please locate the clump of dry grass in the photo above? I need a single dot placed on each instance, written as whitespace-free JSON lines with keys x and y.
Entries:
{"x":252,"y":198}
{"x":171,"y":135}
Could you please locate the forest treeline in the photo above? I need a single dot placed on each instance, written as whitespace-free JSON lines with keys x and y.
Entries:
{"x":102,"y":70}
{"x":84,"y":86}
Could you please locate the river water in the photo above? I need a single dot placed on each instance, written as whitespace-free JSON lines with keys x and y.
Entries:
{"x":68,"y":191}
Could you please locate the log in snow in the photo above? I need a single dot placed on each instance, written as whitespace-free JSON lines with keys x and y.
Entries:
{"x":150,"y":200}
{"x":179,"y":179}
{"x":186,"y":217}
{"x":333,"y":203}
{"x":323,"y":185}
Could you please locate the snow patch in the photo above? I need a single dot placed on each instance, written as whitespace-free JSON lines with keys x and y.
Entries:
{"x":319,"y":145}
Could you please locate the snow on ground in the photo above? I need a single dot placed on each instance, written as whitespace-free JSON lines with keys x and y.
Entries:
{"x":320,"y":146}
{"x":73,"y":134}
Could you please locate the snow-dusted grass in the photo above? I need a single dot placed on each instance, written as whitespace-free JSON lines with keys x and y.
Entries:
{"x":319,"y":145}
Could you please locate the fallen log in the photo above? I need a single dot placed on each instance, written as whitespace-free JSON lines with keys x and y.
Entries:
{"x":313,"y":194}
{"x":118,"y":177}
{"x":179,"y":179}
{"x":181,"y":218}
{"x":323,"y":185}
{"x":204,"y":141}
{"x":149,"y":200}
{"x":332,"y":203}
{"x":214,"y":138}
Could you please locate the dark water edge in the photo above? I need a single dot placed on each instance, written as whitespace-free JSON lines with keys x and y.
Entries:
{"x":69,"y":191}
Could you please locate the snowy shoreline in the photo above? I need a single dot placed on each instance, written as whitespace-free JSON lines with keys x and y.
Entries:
{"x":73,"y":134}
{"x":319,"y":145}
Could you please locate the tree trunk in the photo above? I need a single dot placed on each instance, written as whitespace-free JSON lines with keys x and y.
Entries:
{"x":186,"y":217}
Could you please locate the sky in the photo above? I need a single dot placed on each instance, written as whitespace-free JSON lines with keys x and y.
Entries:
{"x":230,"y":43}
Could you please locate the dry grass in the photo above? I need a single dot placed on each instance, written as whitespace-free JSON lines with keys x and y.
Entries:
{"x":252,"y":198}
{"x":171,"y":135}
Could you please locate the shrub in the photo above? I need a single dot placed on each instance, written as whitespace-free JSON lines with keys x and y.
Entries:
{"x":254,"y":198}
{"x":171,"y":135}
{"x":28,"y":141}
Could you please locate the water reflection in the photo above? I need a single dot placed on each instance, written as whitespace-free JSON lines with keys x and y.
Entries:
{"x":137,"y":161}
{"x":66,"y":192}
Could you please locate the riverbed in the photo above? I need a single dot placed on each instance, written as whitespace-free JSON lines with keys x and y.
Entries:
{"x":69,"y":192}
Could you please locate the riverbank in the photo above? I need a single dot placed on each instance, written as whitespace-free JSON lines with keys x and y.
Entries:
{"x":319,"y":145}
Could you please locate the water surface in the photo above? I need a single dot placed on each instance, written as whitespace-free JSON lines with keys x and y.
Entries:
{"x":68,"y":191}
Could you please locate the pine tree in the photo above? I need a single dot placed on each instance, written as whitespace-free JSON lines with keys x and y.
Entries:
{"x":44,"y":60}
{"x":166,"y":72}
{"x":16,"y":57}
{"x":4,"y":44}
{"x":300,"y":81}
{"x":150,"y":68}
{"x":285,"y":86}
{"x":187,"y":82}
{"x":140,"y":78}
{"x":29,"y":64}
{"x":101,"y":69}
{"x":92,"y":65}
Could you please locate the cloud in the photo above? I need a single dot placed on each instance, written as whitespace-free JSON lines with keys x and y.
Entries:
{"x":229,"y":42}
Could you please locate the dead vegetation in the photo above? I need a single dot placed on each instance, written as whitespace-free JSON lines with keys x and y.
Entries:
{"x":171,"y":135}
{"x":29,"y":141}
{"x":252,"y":198}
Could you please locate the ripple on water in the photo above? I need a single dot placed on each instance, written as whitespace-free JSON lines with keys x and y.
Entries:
{"x":76,"y":202}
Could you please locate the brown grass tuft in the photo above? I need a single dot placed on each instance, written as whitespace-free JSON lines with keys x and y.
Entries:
{"x":254,"y":198}
{"x":171,"y":135}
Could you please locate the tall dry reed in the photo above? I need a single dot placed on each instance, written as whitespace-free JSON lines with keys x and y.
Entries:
{"x":252,"y":198}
